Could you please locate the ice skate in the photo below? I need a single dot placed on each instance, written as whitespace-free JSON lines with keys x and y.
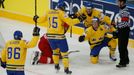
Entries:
{"x":67,"y":71}
{"x":35,"y":59}
{"x":57,"y":68}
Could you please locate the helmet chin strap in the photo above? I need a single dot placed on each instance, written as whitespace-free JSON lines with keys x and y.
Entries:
{"x":17,"y":38}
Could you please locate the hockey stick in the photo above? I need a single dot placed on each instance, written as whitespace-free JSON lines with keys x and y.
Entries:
{"x":35,"y":12}
{"x":73,"y":51}
{"x":112,"y":58}
{"x":2,"y":3}
{"x":71,"y":6}
{"x":71,"y":31}
{"x":33,"y":72}
{"x":0,"y":60}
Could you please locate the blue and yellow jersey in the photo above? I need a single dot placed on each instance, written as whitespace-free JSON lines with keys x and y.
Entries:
{"x":106,"y":20}
{"x":95,"y":37}
{"x":95,"y":13}
{"x":55,"y":20}
{"x":14,"y":53}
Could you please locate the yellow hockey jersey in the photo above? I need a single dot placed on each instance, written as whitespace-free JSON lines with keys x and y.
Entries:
{"x":55,"y":20}
{"x":14,"y":53}
{"x":95,"y":13}
{"x":95,"y":37}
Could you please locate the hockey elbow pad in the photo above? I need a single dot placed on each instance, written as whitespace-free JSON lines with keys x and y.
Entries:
{"x":81,"y":38}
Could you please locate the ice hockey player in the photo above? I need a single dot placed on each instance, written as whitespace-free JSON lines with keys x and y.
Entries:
{"x":14,"y":53}
{"x":46,"y":51}
{"x":90,"y":12}
{"x":98,"y":37}
{"x":55,"y":34}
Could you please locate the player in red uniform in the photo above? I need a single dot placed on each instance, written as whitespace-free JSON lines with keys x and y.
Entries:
{"x":46,"y":51}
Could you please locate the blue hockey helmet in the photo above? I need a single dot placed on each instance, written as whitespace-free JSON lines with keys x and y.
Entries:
{"x":88,"y":4}
{"x":18,"y":35}
{"x":61,"y":4}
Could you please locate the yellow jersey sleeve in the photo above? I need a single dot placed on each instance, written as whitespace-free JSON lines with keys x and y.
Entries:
{"x":107,"y":20}
{"x":81,"y":11}
{"x":109,"y":35}
{"x":42,"y":19}
{"x":97,"y":13}
{"x":112,"y":29}
{"x":33,"y":42}
{"x":68,"y":20}
{"x":103,"y":18}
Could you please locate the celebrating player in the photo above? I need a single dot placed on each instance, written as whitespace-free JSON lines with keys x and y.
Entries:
{"x":46,"y":51}
{"x":14,"y":52}
{"x":98,"y":37}
{"x":55,"y":34}
{"x":90,"y":12}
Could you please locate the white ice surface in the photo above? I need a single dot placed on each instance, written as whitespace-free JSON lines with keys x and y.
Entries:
{"x":79,"y":62}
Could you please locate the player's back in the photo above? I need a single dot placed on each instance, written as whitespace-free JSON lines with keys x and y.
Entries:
{"x":55,"y":23}
{"x":16,"y":54}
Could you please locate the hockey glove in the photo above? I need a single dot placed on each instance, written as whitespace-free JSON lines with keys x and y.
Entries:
{"x":81,"y":38}
{"x":35,"y":18}
{"x":113,"y":23}
{"x":36,"y":31}
{"x":82,"y":17}
{"x":115,"y":34}
{"x":3,"y":64}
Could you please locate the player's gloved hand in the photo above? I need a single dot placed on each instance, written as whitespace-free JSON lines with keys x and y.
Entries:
{"x":115,"y":34}
{"x":35,"y":18}
{"x":73,"y":16}
{"x":81,"y":38}
{"x":82,"y":17}
{"x":36,"y":31}
{"x":3,"y":64}
{"x":113,"y":23}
